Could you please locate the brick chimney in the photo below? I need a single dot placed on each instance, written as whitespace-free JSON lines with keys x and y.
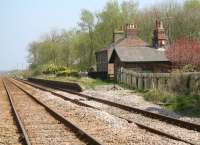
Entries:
{"x":117,"y":35}
{"x":159,"y":38}
{"x":130,"y":30}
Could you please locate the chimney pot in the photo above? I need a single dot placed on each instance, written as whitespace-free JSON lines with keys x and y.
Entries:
{"x":130,"y":30}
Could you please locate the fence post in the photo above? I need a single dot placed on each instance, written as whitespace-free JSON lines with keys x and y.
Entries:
{"x":147,"y":84}
{"x":140,"y":83}
{"x":131,"y":85}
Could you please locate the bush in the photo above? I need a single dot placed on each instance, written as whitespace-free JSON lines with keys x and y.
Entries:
{"x":187,"y":105}
{"x":158,"y":96}
{"x":25,"y":74}
{"x":61,"y":73}
{"x":37,"y":70}
{"x":195,"y":84}
{"x":59,"y":70}
{"x":53,"y":69}
{"x":188,"y":68}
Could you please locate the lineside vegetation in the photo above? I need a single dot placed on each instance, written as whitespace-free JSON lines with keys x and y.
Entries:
{"x":75,"y":48}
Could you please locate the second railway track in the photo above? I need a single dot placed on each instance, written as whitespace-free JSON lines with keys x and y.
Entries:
{"x":171,"y":131}
{"x":171,"y":120}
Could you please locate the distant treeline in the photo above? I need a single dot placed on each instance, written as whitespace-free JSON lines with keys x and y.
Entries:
{"x":75,"y":48}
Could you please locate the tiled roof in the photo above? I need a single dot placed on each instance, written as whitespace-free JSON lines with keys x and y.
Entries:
{"x":126,"y":42}
{"x":131,"y":41}
{"x":139,"y":54}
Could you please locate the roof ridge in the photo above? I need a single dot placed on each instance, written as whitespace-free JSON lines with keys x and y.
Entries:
{"x":140,"y":54}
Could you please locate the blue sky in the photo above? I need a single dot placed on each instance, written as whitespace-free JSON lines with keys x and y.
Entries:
{"x":23,"y":21}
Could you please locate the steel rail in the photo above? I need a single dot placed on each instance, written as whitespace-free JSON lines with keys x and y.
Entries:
{"x":88,"y":139}
{"x":142,"y":126}
{"x":26,"y":140}
{"x":174,"y":121}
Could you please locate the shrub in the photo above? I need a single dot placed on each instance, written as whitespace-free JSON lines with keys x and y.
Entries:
{"x":184,"y":83}
{"x":62,"y":73}
{"x":184,"y":104}
{"x":158,"y":96}
{"x":52,"y":69}
{"x":58,"y":70}
{"x":195,"y":84}
{"x":188,"y":68}
{"x":26,"y":74}
{"x":184,"y":51}
{"x":37,"y":70}
{"x":187,"y":105}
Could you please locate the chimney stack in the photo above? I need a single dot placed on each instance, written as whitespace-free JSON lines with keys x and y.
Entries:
{"x":159,"y":37}
{"x":130,"y":30}
{"x":117,"y":35}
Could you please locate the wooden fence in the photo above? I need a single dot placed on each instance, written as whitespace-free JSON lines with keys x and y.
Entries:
{"x":145,"y":81}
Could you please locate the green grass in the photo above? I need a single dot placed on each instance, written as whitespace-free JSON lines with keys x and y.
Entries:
{"x":187,"y":105}
{"x":158,"y":96}
{"x":84,"y":82}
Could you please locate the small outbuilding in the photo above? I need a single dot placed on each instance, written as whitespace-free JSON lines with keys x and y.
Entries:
{"x":131,"y":52}
{"x":140,"y":59}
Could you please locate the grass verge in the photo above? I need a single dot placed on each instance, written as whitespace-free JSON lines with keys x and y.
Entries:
{"x":84,"y":82}
{"x":187,"y":105}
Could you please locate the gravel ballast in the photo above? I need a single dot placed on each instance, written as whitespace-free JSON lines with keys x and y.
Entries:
{"x":9,"y":133}
{"x":182,"y":133}
{"x":129,"y":98}
{"x":104,"y":126}
{"x":41,"y":127}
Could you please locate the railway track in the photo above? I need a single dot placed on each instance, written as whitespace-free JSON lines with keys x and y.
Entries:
{"x":174,"y":121}
{"x":84,"y":102}
{"x":10,"y":127}
{"x":160,"y":139}
{"x":42,"y":124}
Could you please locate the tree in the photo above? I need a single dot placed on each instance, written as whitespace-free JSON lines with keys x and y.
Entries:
{"x":33,"y":54}
{"x":129,"y":11}
{"x":87,"y":24}
{"x":184,"y":51}
{"x":192,"y":4}
{"x":76,"y":47}
{"x":109,"y":19}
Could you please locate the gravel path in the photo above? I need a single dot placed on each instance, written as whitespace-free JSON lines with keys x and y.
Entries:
{"x":104,"y":126}
{"x":9,"y":133}
{"x":127,"y":97}
{"x":41,"y":127}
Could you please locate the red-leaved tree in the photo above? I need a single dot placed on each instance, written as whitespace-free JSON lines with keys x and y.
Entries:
{"x":184,"y":51}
